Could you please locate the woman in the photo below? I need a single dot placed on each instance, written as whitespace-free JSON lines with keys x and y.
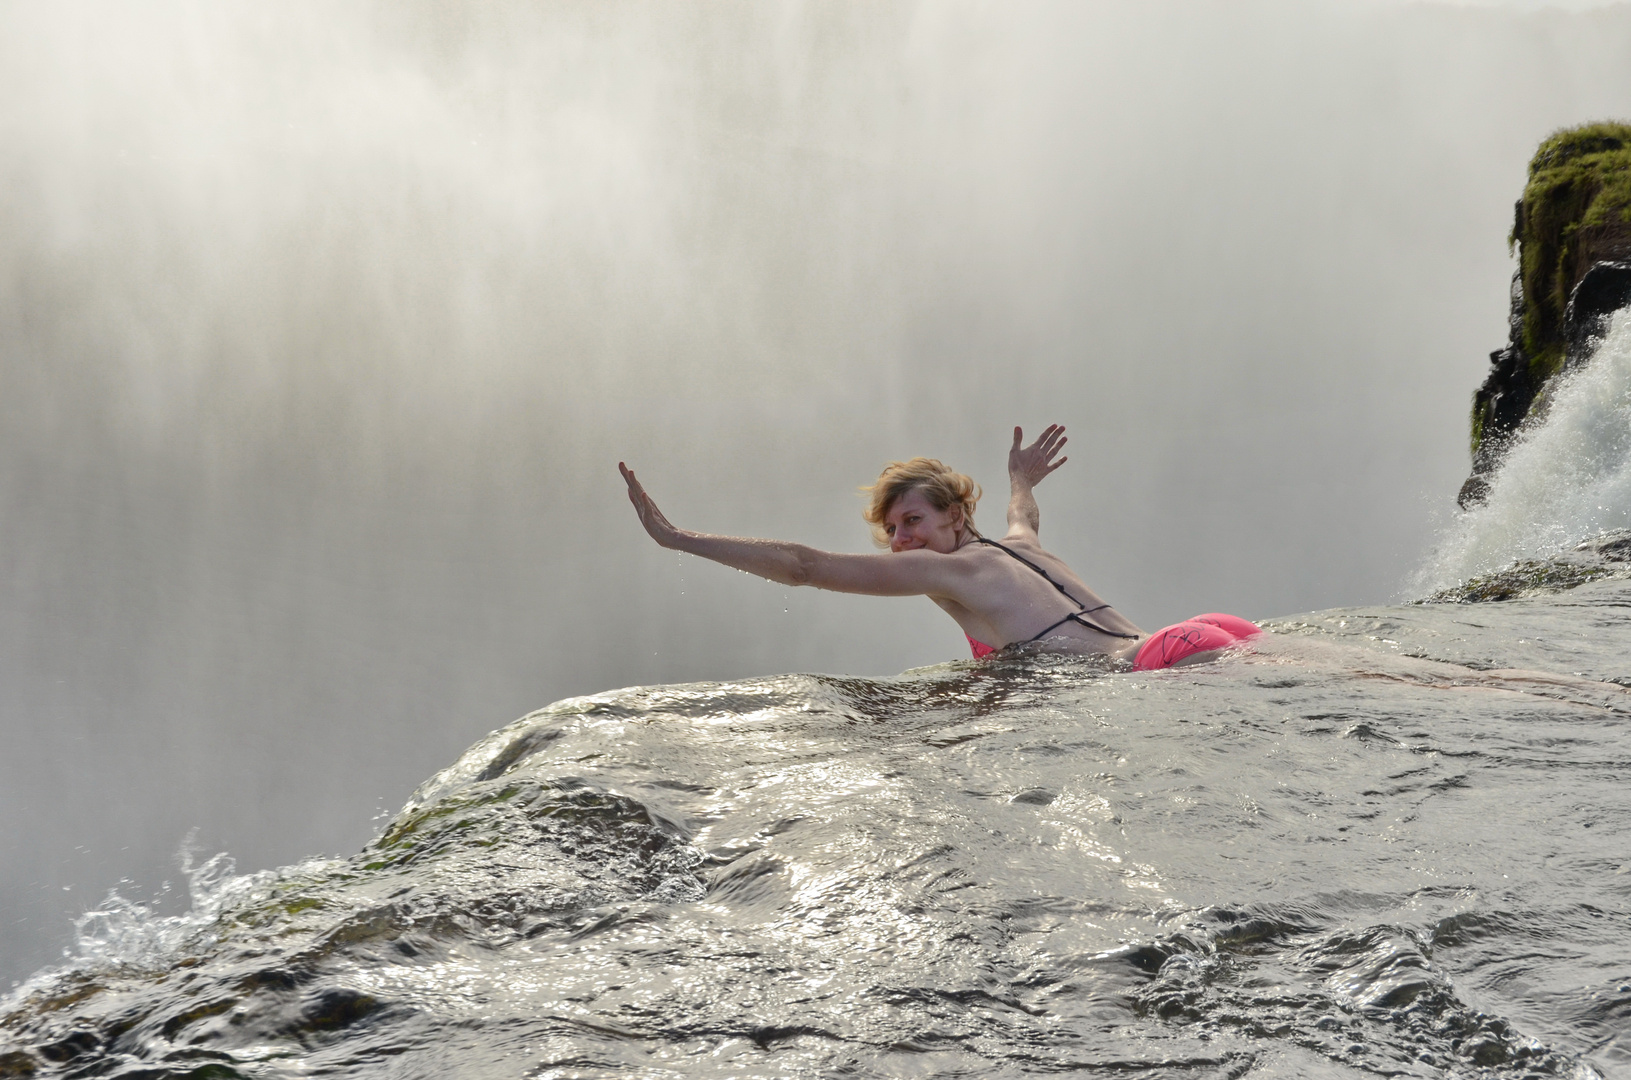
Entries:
{"x":1000,"y":593}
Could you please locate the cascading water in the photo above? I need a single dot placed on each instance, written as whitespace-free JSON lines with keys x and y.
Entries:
{"x":1564,"y":481}
{"x":1385,"y":841}
{"x":1346,"y":852}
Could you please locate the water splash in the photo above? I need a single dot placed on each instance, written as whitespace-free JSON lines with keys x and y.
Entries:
{"x":1565,"y":481}
{"x":122,"y":932}
{"x":1331,"y":857}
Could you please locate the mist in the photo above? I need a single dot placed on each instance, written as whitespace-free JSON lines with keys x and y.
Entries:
{"x":323,"y":327}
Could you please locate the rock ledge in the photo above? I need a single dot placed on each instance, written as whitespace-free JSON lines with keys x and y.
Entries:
{"x":1572,"y":229}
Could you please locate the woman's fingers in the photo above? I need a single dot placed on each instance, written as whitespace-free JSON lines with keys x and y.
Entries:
{"x":637,"y":494}
{"x":656,"y":524}
{"x":637,"y":490}
{"x":1047,"y":444}
{"x":1036,"y":461}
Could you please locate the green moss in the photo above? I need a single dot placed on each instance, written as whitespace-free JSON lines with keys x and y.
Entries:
{"x":1579,"y":183}
{"x":17,"y":1063}
{"x":1521,"y":579}
{"x":405,"y":834}
{"x":1575,"y":212}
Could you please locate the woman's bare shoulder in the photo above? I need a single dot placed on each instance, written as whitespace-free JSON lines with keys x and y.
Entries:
{"x":1025,"y":543}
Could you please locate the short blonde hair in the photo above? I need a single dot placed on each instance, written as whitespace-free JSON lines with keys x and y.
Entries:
{"x":943,"y":487}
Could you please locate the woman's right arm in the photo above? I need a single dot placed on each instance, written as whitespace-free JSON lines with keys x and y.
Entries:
{"x":1027,"y":467}
{"x":907,"y":573}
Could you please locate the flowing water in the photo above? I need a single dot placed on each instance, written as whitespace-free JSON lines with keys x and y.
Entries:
{"x":1373,"y":846}
{"x":1570,"y":478}
{"x":1389,"y":840}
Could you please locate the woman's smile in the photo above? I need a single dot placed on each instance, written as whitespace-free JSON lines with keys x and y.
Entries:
{"x":912,"y":522}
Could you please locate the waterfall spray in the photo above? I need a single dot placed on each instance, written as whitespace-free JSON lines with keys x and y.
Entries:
{"x":1564,"y":481}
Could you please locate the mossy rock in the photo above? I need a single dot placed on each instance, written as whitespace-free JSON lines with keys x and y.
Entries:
{"x":1575,"y":213}
{"x":1573,"y":221}
{"x":1526,"y":578}
{"x":1604,"y":556}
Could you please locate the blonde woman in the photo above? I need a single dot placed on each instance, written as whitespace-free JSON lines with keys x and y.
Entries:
{"x":1000,"y":592}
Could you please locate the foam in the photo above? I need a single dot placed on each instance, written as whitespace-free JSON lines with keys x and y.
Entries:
{"x":1566,"y":480}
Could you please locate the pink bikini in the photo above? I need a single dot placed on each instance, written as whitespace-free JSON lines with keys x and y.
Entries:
{"x":1164,"y":648}
{"x":1203,"y":633}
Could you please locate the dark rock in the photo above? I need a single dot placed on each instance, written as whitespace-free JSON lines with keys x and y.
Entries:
{"x":1604,"y":556}
{"x":15,"y":1063}
{"x":337,"y":1007}
{"x":1474,"y":492}
{"x":1572,"y":229}
{"x":1603,"y":290}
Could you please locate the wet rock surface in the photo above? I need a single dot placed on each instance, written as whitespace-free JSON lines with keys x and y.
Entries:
{"x":1606,"y":556}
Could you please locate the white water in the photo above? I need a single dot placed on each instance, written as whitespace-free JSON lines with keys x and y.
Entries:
{"x":1565,"y":481}
{"x":1337,"y":856}
{"x":124,"y":932}
{"x":322,"y":326}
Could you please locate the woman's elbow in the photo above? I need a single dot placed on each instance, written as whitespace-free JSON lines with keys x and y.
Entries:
{"x":802,"y":570}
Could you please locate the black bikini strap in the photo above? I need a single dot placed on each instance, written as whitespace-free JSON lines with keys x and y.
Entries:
{"x":1068,"y":618}
{"x":1091,"y":625}
{"x":1075,"y":616}
{"x":1045,"y":575}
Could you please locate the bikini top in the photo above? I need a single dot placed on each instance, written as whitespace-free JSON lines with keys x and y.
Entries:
{"x":1075,"y":616}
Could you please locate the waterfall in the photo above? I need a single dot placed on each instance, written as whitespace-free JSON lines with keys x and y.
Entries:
{"x":1564,"y":480}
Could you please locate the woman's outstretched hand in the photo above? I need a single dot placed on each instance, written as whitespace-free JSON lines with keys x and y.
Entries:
{"x":660,"y":528}
{"x":1033,"y":463}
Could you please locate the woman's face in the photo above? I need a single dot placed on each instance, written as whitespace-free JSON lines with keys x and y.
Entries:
{"x":912,"y":522}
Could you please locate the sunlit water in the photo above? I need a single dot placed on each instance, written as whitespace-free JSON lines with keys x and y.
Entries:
{"x":1386,"y":841}
{"x":1362,"y":849}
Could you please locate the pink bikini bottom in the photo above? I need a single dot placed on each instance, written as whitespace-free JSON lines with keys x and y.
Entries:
{"x":979,"y":648}
{"x":1171,"y":644}
{"x":1203,"y":633}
